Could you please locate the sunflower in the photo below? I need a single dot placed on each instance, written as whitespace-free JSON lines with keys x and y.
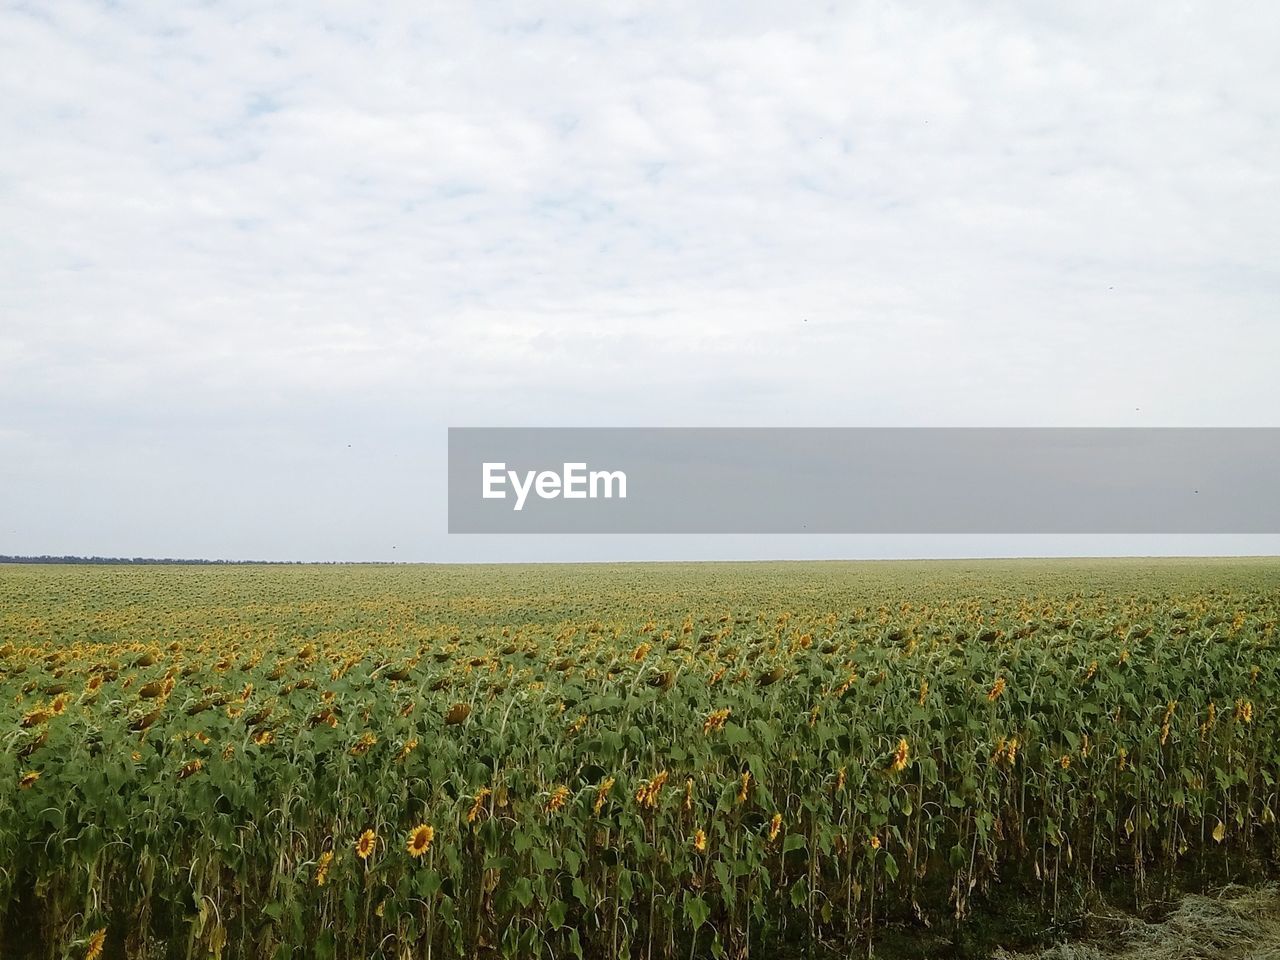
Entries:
{"x":190,"y":768}
{"x":322,"y":867}
{"x":775,"y":826}
{"x":901,"y":756}
{"x":602,"y":793}
{"x":648,"y":791}
{"x":746,"y":785}
{"x":874,"y":842}
{"x":97,"y":941}
{"x":996,"y":690}
{"x":700,"y":841}
{"x":420,"y":838}
{"x":477,"y":808}
{"x":28,"y":779}
{"x":559,"y":796}
{"x":715,"y":720}
{"x":364,"y":846}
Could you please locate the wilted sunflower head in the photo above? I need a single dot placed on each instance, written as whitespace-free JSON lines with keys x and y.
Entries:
{"x":420,"y":838}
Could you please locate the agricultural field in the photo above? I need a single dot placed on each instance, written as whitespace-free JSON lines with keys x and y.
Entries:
{"x":650,"y":761}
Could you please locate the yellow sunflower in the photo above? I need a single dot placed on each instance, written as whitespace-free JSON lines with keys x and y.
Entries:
{"x":477,"y":808}
{"x":97,"y":941}
{"x":364,"y":846}
{"x":28,"y":779}
{"x":420,"y":838}
{"x":901,"y":756}
{"x":602,"y":792}
{"x":559,"y":796}
{"x":715,"y":720}
{"x":322,"y":867}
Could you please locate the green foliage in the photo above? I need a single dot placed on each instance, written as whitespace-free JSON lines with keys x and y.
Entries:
{"x":613,"y":761}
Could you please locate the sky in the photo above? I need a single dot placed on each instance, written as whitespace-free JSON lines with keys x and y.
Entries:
{"x":256,"y":258}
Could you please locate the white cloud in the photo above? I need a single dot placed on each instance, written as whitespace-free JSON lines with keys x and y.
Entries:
{"x":303,"y":222}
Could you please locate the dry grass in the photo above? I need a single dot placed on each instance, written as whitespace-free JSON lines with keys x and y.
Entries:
{"x":1237,"y":923}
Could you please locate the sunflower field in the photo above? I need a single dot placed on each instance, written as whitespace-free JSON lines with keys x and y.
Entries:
{"x":651,"y":761}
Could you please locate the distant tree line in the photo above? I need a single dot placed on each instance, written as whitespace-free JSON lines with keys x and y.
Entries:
{"x":142,"y":561}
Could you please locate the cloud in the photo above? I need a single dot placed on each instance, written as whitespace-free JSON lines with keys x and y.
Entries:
{"x":237,"y":235}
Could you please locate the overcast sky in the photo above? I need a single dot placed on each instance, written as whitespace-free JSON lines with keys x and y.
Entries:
{"x":255,"y":258}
